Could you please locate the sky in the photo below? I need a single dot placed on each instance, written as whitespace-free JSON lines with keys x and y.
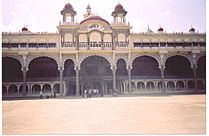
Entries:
{"x":44,"y":15}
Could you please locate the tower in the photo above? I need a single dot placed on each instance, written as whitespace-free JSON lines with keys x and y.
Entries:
{"x":88,"y":12}
{"x":68,"y":13}
{"x":119,"y":13}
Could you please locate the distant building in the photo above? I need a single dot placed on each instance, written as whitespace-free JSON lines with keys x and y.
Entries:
{"x":96,"y":54}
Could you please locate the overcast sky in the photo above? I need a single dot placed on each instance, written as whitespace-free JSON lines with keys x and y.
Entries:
{"x":44,"y":15}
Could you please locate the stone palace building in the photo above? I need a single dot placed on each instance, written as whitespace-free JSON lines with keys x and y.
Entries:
{"x":97,"y":54}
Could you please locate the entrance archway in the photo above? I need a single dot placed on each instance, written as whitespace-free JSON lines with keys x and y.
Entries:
{"x":43,"y":68}
{"x":178,"y":67}
{"x":11,"y":69}
{"x":95,"y":72}
{"x":145,"y":67}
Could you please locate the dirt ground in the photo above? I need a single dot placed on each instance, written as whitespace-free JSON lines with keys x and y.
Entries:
{"x":175,"y":114}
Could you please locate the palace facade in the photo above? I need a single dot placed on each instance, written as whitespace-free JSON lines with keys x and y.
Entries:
{"x":97,"y":54}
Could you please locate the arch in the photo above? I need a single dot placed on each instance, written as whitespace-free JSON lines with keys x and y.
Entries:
{"x":140,"y":86}
{"x":172,"y":55}
{"x":23,"y":40}
{"x":133,"y":86}
{"x":98,"y":55}
{"x":200,"y":85}
{"x":121,"y":37}
{"x":95,"y":36}
{"x":43,"y":67}
{"x":46,"y":88}
{"x":148,"y":55}
{"x":15,"y":40}
{"x":159,"y":85}
{"x":32,"y":40}
{"x":178,"y":66}
{"x":170,"y":85}
{"x":150,"y":85}
{"x":107,"y":38}
{"x":4,"y":90}
{"x":30,"y":59}
{"x":170,"y":40}
{"x":180,"y":85}
{"x":5,"y":40}
{"x":11,"y":69}
{"x":21,"y":89}
{"x":42,"y":40}
{"x":36,"y":88}
{"x":56,"y":88}
{"x":187,"y":40}
{"x":190,"y":84}
{"x":178,"y":40}
{"x":69,"y":68}
{"x":91,"y":68}
{"x":121,"y":67}
{"x":68,"y":37}
{"x":145,"y":66}
{"x":146,"y":40}
{"x":18,"y":58}
{"x":83,"y":38}
{"x":13,"y":89}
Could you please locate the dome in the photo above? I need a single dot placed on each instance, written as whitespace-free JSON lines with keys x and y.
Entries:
{"x":24,"y":29}
{"x":160,"y":29}
{"x":68,"y":6}
{"x":94,"y":18}
{"x":68,"y":9}
{"x":191,"y":30}
{"x":119,"y":7}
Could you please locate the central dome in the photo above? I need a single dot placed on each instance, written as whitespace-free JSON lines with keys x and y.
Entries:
{"x":94,"y":18}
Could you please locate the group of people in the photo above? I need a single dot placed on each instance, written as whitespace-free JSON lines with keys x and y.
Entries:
{"x":47,"y":96}
{"x":92,"y":93}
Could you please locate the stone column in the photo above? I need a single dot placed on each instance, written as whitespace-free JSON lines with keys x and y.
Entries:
{"x":24,"y":71}
{"x":135,"y":83}
{"x":129,"y":79}
{"x":61,"y":80}
{"x":162,"y":78}
{"x":77,"y":80}
{"x":113,"y":77}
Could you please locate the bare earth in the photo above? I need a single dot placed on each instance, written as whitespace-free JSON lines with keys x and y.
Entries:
{"x":177,"y":114}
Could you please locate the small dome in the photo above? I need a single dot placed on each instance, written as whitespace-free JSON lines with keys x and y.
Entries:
{"x":191,"y":30}
{"x":24,"y":29}
{"x":68,"y":6}
{"x":160,"y":29}
{"x":119,"y":7}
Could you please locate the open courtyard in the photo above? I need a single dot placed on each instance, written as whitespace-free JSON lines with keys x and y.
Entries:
{"x":170,"y":114}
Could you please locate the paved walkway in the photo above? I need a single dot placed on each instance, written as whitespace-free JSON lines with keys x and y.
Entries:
{"x":174,"y":114}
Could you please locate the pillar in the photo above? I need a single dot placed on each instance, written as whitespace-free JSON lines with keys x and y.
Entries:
{"x":135,"y":83}
{"x":129,"y":79}
{"x":61,"y":80}
{"x":77,"y":80}
{"x":113,"y":77}
{"x":162,"y":78}
{"x":185,"y":85}
{"x":24,"y":71}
